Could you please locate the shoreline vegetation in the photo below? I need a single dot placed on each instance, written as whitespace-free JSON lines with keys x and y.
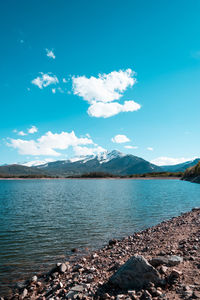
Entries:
{"x":166,"y":258}
{"x":192,"y":174}
{"x":95,"y":175}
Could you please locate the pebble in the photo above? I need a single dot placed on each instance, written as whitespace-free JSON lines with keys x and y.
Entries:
{"x":34,"y":278}
{"x":62,"y":268}
{"x":25,"y":293}
{"x":77,"y":288}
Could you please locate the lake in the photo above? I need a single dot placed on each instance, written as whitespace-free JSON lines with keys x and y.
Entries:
{"x":42,"y":220}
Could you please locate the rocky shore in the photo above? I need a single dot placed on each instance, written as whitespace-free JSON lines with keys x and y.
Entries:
{"x":161,"y":262}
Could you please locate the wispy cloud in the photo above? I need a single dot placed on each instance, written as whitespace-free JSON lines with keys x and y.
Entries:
{"x":22,"y":133}
{"x":120,"y":138}
{"x":149,"y":148}
{"x":83,"y":151}
{"x":130,"y":147}
{"x":100,"y":91}
{"x":50,"y":54}
{"x":45,"y":80}
{"x":32,"y":130}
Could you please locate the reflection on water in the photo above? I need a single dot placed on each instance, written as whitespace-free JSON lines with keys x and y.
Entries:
{"x":42,"y":220}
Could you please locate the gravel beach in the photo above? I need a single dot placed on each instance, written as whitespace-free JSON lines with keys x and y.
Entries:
{"x":161,"y":262}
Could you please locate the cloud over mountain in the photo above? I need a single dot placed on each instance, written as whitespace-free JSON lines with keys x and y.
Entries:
{"x":163,"y":160}
{"x":49,"y":143}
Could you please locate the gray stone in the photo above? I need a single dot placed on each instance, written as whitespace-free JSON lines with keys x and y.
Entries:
{"x":62,"y":268}
{"x":174,"y":260}
{"x":77,"y":288}
{"x":136,"y":273}
{"x":71,"y":294}
{"x":169,"y":260}
{"x":158,"y":260}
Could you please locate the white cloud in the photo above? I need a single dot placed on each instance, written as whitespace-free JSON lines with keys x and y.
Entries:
{"x":163,"y":160}
{"x":130,"y":147}
{"x":106,"y":110}
{"x":45,"y":80}
{"x":84,"y":151}
{"x":32,"y":130}
{"x":50,"y":53}
{"x":150,"y":148}
{"x":31,"y":147}
{"x":53,"y":91}
{"x":120,"y":138}
{"x":22,"y":133}
{"x":48,"y":143}
{"x":64,"y":80}
{"x":100,"y":91}
{"x":104,"y":88}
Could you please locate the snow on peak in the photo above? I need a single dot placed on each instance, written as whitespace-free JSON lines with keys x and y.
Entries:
{"x":107,"y":156}
{"x":84,"y":159}
{"x":35,"y":163}
{"x":102,"y":157}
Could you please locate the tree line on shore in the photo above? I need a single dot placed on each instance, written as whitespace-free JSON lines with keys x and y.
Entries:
{"x":98,"y":175}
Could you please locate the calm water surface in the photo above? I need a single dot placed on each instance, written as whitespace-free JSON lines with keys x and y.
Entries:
{"x":42,"y":220}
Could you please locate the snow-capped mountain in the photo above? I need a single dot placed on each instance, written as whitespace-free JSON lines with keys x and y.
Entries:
{"x":113,"y":162}
{"x":102,"y":157}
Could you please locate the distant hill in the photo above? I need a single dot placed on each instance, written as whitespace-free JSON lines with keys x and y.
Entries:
{"x":192,"y":174}
{"x":113,"y":162}
{"x":180,"y":167}
{"x":18,"y":170}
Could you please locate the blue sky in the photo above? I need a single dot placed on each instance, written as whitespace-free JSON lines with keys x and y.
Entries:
{"x":81,"y":76}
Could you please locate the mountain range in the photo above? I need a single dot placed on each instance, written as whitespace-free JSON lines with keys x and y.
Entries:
{"x":113,"y":162}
